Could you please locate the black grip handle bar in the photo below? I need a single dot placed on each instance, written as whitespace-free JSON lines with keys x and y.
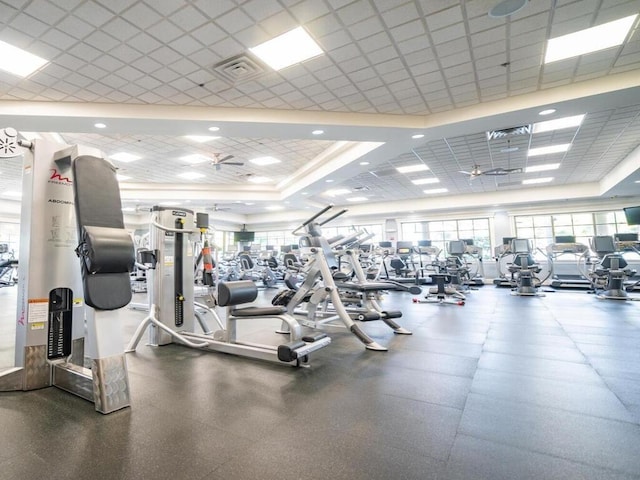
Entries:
{"x":334,"y":216}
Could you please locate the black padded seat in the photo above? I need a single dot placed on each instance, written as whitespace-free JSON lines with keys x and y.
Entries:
{"x":258,"y":311}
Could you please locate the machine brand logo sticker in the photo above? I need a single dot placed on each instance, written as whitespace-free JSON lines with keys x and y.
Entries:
{"x":58,"y":179}
{"x":178,"y":213}
{"x":61,"y":202}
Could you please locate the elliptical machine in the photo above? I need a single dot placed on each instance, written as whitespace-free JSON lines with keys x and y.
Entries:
{"x":610,"y":270}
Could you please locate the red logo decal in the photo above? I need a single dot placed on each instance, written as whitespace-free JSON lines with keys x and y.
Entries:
{"x":56,"y":176}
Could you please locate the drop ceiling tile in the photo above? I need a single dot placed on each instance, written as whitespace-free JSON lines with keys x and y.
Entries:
{"x":417,"y":44}
{"x":485,"y":37}
{"x":164,"y":31}
{"x":58,"y":39}
{"x":323,"y":25}
{"x":389,"y":66}
{"x":355,"y":12}
{"x":45,"y":11}
{"x":444,"y":18}
{"x":455,"y":59}
{"x":29,"y":24}
{"x":141,"y":15}
{"x":453,"y":32}
{"x":408,"y":30}
{"x":399,"y":15}
{"x":234,"y":20}
{"x":309,"y":10}
{"x":366,"y":29}
{"x":188,"y":18}
{"x":208,"y":34}
{"x":93,"y":13}
{"x":478,"y":23}
{"x":116,"y":6}
{"x":532,"y":23}
{"x":101,"y":41}
{"x":120,"y":29}
{"x":108,"y":63}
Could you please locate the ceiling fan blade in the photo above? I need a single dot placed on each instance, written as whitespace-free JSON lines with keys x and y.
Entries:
{"x":465,"y":172}
{"x":233,"y":163}
{"x":224,"y":159}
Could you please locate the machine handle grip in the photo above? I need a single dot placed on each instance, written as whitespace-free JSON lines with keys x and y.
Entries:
{"x":174,"y":230}
{"x":333,"y":217}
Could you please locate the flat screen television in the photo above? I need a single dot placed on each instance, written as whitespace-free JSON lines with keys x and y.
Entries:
{"x":633,"y":215}
{"x":626,"y":237}
{"x":385,"y":244}
{"x":507,"y":240}
{"x":603,"y":244}
{"x":456,"y":247}
{"x":565,"y":239}
{"x":424,"y":243}
{"x":245,"y":237}
{"x":520,"y":245}
{"x":403,"y":247}
{"x":468,"y":241}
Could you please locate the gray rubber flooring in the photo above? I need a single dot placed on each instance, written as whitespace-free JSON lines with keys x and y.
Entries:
{"x":502,"y":388}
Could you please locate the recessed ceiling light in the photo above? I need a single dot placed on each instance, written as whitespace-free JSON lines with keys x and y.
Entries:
{"x":124,"y":157}
{"x":329,"y":180}
{"x":509,"y":149}
{"x":435,"y":190}
{"x":417,"y":135}
{"x":264,"y":161}
{"x":356,"y":199}
{"x":337,"y":191}
{"x":190,"y":175}
{"x":292,"y":47}
{"x":364,"y":163}
{"x":194,"y":158}
{"x":607,"y":35}
{"x":637,"y":181}
{"x":550,"y":149}
{"x":506,"y":8}
{"x":258,"y":179}
{"x":200,"y":138}
{"x":533,"y":181}
{"x":317,"y":132}
{"x":542,"y":168}
{"x":214,"y":129}
{"x":122,"y":178}
{"x":548,"y":111}
{"x":304,"y":193}
{"x":558,"y":124}
{"x":100,"y":125}
{"x":19,"y":62}
{"x":274,"y":207}
{"x":425,"y":181}
{"x":169,"y":203}
{"x":420,"y":167}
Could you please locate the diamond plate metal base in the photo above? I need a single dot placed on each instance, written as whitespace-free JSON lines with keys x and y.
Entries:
{"x":110,"y":383}
{"x":37,"y":370}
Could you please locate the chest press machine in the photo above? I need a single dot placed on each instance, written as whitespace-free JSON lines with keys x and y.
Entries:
{"x":61,"y":323}
{"x":173,"y":309}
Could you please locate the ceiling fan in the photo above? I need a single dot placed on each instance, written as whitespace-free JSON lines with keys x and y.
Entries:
{"x":218,"y":161}
{"x":476,"y":171}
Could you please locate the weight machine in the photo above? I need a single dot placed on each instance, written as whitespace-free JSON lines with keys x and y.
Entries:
{"x":70,"y":200}
{"x":173,"y":310}
{"x":610,"y":270}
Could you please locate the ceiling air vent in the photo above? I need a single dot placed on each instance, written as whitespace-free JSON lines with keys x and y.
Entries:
{"x":508,"y":132}
{"x":239,"y":69}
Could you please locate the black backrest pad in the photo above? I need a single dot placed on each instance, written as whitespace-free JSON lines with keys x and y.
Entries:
{"x":107,"y":256}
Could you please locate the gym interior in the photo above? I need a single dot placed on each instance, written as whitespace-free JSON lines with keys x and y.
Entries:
{"x":320,"y":239}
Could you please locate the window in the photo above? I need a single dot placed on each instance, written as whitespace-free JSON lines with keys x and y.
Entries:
{"x":542,"y":229}
{"x":442,"y":232}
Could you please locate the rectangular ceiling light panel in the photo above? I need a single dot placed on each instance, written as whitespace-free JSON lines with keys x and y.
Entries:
{"x":542,"y":168}
{"x":547,"y":150}
{"x":287,"y":49}
{"x":533,"y":181}
{"x":425,"y":181}
{"x":19,"y":62}
{"x":590,"y":40}
{"x":558,"y":124}
{"x":420,"y":167}
{"x":191,"y":175}
{"x":125,"y":157}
